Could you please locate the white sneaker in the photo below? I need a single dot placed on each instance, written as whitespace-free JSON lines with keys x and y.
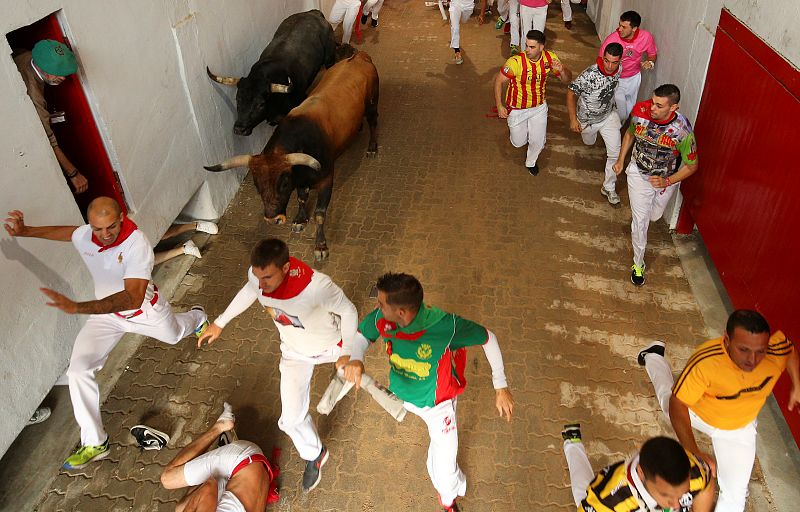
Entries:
{"x":191,"y":249}
{"x":206,"y":227}
{"x":40,"y":415}
{"x":611,"y":195}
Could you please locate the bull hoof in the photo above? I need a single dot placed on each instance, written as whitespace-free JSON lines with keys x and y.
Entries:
{"x":297,"y":227}
{"x":321,"y":253}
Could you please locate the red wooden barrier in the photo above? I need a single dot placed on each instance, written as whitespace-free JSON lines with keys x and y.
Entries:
{"x":744,"y":199}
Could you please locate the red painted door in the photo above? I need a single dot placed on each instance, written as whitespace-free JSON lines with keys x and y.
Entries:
{"x":78,"y":136}
{"x":744,"y":197}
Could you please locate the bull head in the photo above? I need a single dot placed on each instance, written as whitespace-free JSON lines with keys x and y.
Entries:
{"x":281,"y":88}
{"x":224,"y":80}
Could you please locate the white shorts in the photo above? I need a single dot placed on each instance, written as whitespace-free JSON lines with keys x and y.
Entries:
{"x":219,"y":464}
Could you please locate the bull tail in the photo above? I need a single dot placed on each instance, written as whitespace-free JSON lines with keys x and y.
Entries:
{"x":236,"y":161}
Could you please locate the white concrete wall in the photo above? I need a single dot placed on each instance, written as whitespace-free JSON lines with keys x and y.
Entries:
{"x":143,"y":65}
{"x":684,"y":32}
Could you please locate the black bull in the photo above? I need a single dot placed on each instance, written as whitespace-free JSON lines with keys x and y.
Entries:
{"x":302,"y":150}
{"x":279,"y":80}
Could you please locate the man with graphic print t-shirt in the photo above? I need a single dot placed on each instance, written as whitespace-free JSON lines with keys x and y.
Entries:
{"x":664,"y":153}
{"x":427,"y":356}
{"x":314,"y":318}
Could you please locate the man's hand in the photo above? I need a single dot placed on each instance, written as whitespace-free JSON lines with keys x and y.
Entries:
{"x":648,"y":65}
{"x":617,"y":167}
{"x":482,"y":18}
{"x":60,"y":301}
{"x":341,"y":362}
{"x":353,"y":371}
{"x":575,"y":125}
{"x":79,"y":183}
{"x":210,"y":335}
{"x":794,"y":399}
{"x":710,"y":460}
{"x":502,"y":112}
{"x":557,"y":66}
{"x":15,"y":223}
{"x":504,"y":403}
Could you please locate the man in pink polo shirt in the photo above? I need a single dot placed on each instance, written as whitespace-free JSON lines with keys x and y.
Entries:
{"x":635,"y":43}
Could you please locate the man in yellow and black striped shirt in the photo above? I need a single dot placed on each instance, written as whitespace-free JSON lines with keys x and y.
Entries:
{"x":661,"y":477}
{"x":525,"y":106}
{"x":720,"y":392}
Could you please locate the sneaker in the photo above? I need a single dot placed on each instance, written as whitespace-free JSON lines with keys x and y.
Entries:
{"x":514,"y":49}
{"x":534,"y":171}
{"x":191,"y":249}
{"x":657,"y":347}
{"x":206,"y":227}
{"x":313,"y":473}
{"x":568,"y":25}
{"x":449,"y":508}
{"x":200,"y":329}
{"x":41,"y":414}
{"x":458,"y":59}
{"x":572,"y":433}
{"x":499,"y":23}
{"x":364,"y":18}
{"x":374,"y":23}
{"x":637,"y":274}
{"x":86,"y":454}
{"x":611,"y":195}
{"x":149,"y":438}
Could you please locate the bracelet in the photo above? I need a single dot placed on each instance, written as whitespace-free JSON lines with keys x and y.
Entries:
{"x":70,"y":176}
{"x":668,"y":182}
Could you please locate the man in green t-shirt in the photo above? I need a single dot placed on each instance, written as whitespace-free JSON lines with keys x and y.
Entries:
{"x":427,"y":356}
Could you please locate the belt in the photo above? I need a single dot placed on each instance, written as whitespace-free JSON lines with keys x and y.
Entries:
{"x":258,"y":457}
{"x":139,"y":311}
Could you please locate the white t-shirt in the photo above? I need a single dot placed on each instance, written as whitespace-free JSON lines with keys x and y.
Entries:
{"x":132,"y":259}
{"x":313,"y":321}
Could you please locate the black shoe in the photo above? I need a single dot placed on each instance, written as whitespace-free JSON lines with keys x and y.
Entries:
{"x":149,"y":438}
{"x":534,"y":170}
{"x":572,"y":433}
{"x":568,"y":25}
{"x":313,"y":473}
{"x":374,"y":23}
{"x":657,"y":347}
{"x":364,"y":18}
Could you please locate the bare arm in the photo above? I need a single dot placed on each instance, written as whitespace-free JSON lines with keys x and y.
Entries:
{"x":78,"y":180}
{"x":499,"y":82}
{"x":482,"y":15}
{"x":129,"y":298}
{"x":684,"y":172}
{"x":704,"y":501}
{"x":793,"y":369}
{"x":682,"y":424}
{"x":627,"y":142}
{"x":572,"y":110}
{"x":15,"y":226}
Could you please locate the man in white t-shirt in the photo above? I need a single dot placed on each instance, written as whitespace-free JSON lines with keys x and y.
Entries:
{"x":120,"y":260}
{"x":314,"y":318}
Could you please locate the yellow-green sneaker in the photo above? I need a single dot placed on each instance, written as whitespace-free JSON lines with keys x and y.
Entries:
{"x":200,"y":329}
{"x":637,"y":274}
{"x":86,"y":454}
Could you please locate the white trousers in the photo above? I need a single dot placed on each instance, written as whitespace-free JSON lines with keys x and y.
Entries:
{"x":372,"y":6}
{"x":531,"y":18}
{"x":580,"y":470}
{"x":513,"y":17}
{"x":529,"y":126}
{"x":95,"y":340}
{"x":346,"y":12}
{"x":566,"y":10}
{"x":447,"y":478}
{"x":458,"y":14}
{"x":735,"y":450}
{"x":502,"y":8}
{"x":609,"y":129}
{"x":296,"y":371}
{"x":647,"y":205}
{"x":625,"y":95}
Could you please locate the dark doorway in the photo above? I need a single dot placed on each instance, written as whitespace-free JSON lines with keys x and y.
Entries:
{"x":77,"y":135}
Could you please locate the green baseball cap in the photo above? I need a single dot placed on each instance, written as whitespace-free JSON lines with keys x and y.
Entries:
{"x":54,"y":58}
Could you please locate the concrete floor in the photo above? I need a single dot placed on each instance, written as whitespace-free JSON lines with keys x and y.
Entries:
{"x":543,"y":262}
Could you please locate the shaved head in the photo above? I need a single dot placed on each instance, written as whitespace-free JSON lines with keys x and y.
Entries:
{"x":103,"y":206}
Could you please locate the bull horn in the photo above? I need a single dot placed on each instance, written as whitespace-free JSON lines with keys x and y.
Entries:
{"x":236,"y":161}
{"x":224,"y":80}
{"x":303,"y":159}
{"x":281,"y":88}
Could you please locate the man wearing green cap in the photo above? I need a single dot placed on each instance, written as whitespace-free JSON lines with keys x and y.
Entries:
{"x":50,"y":63}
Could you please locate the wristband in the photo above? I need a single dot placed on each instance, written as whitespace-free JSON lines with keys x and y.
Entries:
{"x":668,"y":182}
{"x":70,"y":176}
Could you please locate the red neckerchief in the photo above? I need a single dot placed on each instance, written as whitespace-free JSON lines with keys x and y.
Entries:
{"x":602,"y":68}
{"x":296,"y":280}
{"x":126,"y":228}
{"x":646,"y":110}
{"x":633,"y":37}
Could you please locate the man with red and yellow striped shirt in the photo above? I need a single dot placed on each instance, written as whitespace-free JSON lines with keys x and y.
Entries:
{"x":525,"y":106}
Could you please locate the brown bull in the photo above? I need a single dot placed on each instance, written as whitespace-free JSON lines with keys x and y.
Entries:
{"x":302,"y":150}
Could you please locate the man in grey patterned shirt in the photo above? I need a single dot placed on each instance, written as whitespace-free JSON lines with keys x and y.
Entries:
{"x":591,"y":107}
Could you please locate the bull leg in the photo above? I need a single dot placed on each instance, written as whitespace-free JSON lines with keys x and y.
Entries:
{"x":301,"y":219}
{"x":323,"y":200}
{"x":372,"y":120}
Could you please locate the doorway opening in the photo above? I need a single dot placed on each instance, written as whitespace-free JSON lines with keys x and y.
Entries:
{"x":71,"y":119}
